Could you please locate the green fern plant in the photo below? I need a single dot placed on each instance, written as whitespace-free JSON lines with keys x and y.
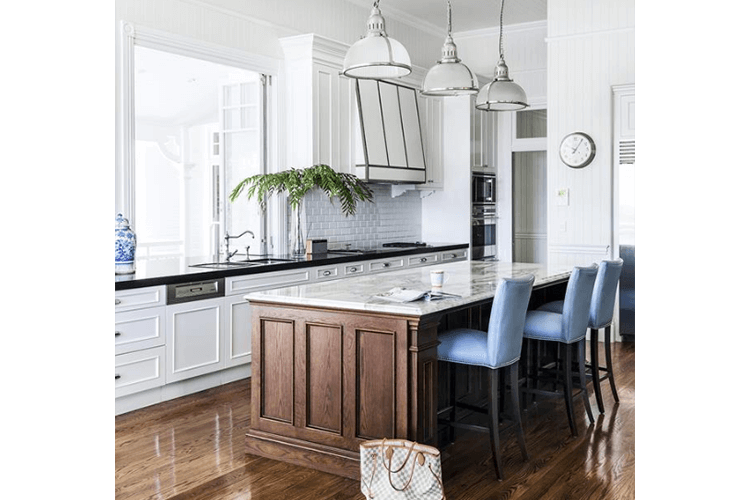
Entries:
{"x":298,"y":182}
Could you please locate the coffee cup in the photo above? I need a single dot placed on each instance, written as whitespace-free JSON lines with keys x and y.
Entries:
{"x":437,"y":278}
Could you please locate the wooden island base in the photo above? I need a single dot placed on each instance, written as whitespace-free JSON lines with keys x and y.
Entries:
{"x":326,"y":379}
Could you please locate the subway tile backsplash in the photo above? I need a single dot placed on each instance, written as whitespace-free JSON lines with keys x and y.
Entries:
{"x":384,"y":220}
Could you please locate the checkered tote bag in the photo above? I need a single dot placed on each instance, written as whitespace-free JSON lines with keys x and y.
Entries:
{"x":397,"y":469}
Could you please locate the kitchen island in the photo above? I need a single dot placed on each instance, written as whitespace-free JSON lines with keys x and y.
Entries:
{"x":336,"y":365}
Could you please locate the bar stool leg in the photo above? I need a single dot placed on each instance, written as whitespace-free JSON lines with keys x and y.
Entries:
{"x":582,"y":377}
{"x":594,"y":344}
{"x":608,"y":354}
{"x":517,"y":409}
{"x":494,"y":415}
{"x":568,"y":387}
{"x":452,"y":396}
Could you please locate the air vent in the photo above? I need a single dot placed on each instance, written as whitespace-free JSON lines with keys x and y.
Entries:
{"x":627,"y":152}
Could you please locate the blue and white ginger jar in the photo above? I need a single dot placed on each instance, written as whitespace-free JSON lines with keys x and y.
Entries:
{"x":124,"y":246}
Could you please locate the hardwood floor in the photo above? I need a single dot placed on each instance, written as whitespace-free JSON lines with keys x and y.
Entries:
{"x":193,"y":448}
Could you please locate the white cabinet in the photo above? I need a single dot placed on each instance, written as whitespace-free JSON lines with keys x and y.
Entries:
{"x":139,"y":334}
{"x":423,"y":260}
{"x":237,"y":340}
{"x":138,"y":371}
{"x":453,"y":255}
{"x":194,"y":338}
{"x":264,"y":281}
{"x":165,"y":351}
{"x":139,"y":298}
{"x":431,"y":114}
{"x":391,"y":264}
{"x":140,"y":329}
{"x":484,"y":127}
{"x":319,"y":103}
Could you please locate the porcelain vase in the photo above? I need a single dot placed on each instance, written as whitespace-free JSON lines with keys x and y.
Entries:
{"x":124,"y":246}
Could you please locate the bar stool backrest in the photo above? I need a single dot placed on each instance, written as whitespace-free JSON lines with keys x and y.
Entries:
{"x":575,"y":314}
{"x":605,"y":290}
{"x":505,"y":331}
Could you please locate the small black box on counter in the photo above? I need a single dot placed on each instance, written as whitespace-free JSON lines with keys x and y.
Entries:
{"x":314,"y":247}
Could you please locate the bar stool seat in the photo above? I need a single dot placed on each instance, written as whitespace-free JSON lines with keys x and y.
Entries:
{"x":600,"y":316}
{"x":499,"y":350}
{"x":567,"y":329}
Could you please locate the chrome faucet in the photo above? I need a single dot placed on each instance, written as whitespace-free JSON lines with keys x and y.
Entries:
{"x":227,"y":237}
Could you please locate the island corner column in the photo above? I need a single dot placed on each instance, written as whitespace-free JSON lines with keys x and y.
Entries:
{"x":423,"y":379}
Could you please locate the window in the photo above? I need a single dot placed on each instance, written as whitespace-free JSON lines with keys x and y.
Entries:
{"x":196,"y":127}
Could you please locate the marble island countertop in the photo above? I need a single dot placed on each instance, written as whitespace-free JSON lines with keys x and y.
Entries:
{"x":473,"y":281}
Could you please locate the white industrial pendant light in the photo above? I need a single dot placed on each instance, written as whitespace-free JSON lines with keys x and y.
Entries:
{"x":449,"y":77}
{"x":501,"y":94}
{"x":376,"y":55}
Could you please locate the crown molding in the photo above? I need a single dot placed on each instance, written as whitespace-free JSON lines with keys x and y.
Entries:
{"x":495,"y":30}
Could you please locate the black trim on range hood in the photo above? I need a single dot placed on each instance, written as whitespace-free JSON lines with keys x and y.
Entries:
{"x":389,"y":145}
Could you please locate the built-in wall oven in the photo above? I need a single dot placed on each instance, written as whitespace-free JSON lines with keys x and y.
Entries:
{"x":483,"y":232}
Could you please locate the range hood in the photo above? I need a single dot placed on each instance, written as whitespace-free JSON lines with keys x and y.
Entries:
{"x":388,"y":145}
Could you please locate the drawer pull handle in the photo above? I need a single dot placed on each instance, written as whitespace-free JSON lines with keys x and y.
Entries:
{"x":386,"y":264}
{"x":352,"y":269}
{"x":117,"y":334}
{"x":326,"y":273}
{"x":423,"y":259}
{"x":117,"y":377}
{"x":453,"y":256}
{"x":118,"y":302}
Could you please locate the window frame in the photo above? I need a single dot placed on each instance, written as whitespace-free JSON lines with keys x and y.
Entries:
{"x":132,"y":35}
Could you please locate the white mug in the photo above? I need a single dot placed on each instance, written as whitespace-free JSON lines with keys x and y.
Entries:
{"x":437,"y":278}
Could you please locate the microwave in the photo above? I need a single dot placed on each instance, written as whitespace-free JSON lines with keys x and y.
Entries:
{"x":483,"y":188}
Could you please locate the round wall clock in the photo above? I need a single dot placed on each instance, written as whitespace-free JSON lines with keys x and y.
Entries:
{"x":577,"y":150}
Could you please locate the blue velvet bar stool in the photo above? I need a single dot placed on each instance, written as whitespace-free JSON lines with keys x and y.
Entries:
{"x":568,"y":329}
{"x":600,"y":316}
{"x":499,"y":350}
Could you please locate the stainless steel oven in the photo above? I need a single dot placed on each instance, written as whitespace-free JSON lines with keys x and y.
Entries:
{"x":483,"y":232}
{"x":483,"y":188}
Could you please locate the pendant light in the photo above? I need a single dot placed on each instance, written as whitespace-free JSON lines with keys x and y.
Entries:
{"x":449,"y":77}
{"x":376,"y":55}
{"x":501,"y":94}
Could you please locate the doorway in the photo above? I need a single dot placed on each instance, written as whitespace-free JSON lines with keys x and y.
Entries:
{"x":529,"y":174}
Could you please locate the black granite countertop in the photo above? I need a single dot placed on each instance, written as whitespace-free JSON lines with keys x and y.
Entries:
{"x":170,"y":270}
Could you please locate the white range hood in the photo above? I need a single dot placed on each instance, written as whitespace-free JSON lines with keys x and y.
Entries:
{"x":388,"y":141}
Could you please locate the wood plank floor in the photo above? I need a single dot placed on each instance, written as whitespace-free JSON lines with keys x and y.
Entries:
{"x":192,"y":448}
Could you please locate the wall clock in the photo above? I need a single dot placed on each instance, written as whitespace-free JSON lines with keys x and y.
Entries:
{"x":577,"y":150}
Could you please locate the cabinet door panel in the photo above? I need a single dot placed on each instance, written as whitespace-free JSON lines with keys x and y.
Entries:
{"x":238,"y":341}
{"x":194,"y":334}
{"x":277,"y":370}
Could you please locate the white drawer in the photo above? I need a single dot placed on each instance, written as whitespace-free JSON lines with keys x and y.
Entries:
{"x":327,"y":273}
{"x":127,"y":300}
{"x":454,"y":255}
{"x":136,"y":330}
{"x":266,"y":281}
{"x":423,"y":260}
{"x":354,"y":269}
{"x":138,"y":371}
{"x":386,"y":265}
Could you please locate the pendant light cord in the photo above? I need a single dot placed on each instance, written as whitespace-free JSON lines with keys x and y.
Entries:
{"x":450,"y":22}
{"x":502,"y":6}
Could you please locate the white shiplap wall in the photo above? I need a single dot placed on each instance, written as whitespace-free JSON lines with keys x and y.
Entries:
{"x":591,"y":47}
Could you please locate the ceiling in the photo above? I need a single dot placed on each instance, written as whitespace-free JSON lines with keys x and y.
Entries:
{"x":468,"y":15}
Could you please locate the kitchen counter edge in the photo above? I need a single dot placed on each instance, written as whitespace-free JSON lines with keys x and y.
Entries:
{"x":197,"y":274}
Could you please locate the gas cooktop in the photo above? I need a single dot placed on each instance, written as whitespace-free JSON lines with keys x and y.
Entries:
{"x":385,"y":248}
{"x":400,"y":244}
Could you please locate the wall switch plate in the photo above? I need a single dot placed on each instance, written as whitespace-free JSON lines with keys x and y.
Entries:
{"x":563,"y":197}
